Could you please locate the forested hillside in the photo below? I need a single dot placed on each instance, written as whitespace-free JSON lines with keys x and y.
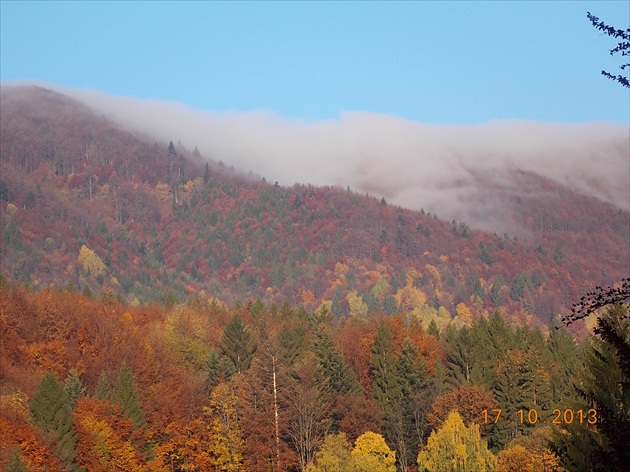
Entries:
{"x":160,"y":310}
{"x":88,"y":204}
{"x":207,"y":386}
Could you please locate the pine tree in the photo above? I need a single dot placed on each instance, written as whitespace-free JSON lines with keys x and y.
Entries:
{"x":459,"y":360}
{"x":341,"y":378}
{"x":403,"y":417}
{"x":126,"y":396}
{"x":561,"y":352}
{"x":385,"y":385}
{"x":74,"y":387}
{"x":237,"y":345}
{"x":51,"y":412}
{"x":600,"y":443}
{"x":17,"y":464}
{"x":102,"y":390}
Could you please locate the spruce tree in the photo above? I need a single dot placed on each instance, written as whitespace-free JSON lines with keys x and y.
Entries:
{"x":341,"y":378}
{"x":102,"y":390}
{"x":385,"y":384}
{"x":126,"y":396}
{"x":237,"y":345}
{"x":51,"y":411}
{"x":17,"y":464}
{"x":74,"y":387}
{"x":406,"y":415}
{"x":600,"y":442}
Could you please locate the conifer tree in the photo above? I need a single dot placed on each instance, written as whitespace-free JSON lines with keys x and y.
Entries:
{"x":600,"y":443}
{"x":341,"y":378}
{"x":237,"y":345}
{"x":102,"y":390}
{"x":74,"y":387}
{"x":51,"y":412}
{"x":561,"y":353}
{"x":407,"y":417}
{"x":17,"y":464}
{"x":126,"y":396}
{"x":385,"y":384}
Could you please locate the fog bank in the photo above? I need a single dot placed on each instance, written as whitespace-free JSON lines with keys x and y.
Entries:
{"x":437,"y":167}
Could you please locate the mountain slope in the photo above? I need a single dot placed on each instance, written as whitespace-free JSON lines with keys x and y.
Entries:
{"x":87,"y":203}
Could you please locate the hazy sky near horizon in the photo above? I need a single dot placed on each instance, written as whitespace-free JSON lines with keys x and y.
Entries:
{"x":433,"y":62}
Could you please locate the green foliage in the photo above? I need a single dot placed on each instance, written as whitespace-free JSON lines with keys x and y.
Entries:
{"x":237,"y":345}
{"x":605,"y":387}
{"x":17,"y":464}
{"x":456,"y":448}
{"x":126,"y":396}
{"x":51,"y":411}
{"x":385,"y":385}
{"x":74,"y":387}
{"x":11,"y":235}
{"x":102,"y":390}
{"x":341,"y":378}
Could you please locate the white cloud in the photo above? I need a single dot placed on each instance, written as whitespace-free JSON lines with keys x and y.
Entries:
{"x":441,"y":168}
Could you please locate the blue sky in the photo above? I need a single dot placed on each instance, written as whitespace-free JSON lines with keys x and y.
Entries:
{"x":434,"y":62}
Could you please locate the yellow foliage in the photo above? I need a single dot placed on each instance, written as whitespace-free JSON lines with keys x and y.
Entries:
{"x":434,"y":274}
{"x":358,"y":308}
{"x":333,"y":455}
{"x":372,"y":454}
{"x":11,"y":209}
{"x":190,"y":186}
{"x":107,"y":447}
{"x":518,"y":458}
{"x":226,"y":441}
{"x":163,"y":191}
{"x":324,"y":307}
{"x":341,"y":268}
{"x":456,"y":447}
{"x":92,"y":264}
{"x":464,"y":316}
{"x":16,"y":401}
{"x":410,"y":297}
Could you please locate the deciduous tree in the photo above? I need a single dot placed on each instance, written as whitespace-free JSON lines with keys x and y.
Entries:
{"x":456,"y":448}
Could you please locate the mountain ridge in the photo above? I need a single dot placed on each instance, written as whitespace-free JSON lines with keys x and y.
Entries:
{"x":162,"y":222}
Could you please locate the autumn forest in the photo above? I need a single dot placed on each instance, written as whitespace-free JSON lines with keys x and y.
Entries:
{"x":161,"y":310}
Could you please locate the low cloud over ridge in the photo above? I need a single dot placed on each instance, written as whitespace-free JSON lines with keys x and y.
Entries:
{"x":437,"y":167}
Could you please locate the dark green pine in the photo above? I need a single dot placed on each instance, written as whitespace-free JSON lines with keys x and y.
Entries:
{"x":51,"y":411}
{"x":341,"y":378}
{"x":17,"y":464}
{"x":237,"y":345}
{"x":102,"y":390}
{"x":74,"y":387}
{"x":126,"y":396}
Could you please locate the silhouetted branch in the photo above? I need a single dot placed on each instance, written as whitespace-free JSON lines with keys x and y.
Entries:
{"x":597,"y":299}
{"x":623,"y":47}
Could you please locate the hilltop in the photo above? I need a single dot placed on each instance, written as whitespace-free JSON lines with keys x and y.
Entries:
{"x":88,"y":204}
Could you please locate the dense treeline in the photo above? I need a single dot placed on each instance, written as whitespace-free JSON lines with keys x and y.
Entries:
{"x":85,"y":203}
{"x":95,"y":384}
